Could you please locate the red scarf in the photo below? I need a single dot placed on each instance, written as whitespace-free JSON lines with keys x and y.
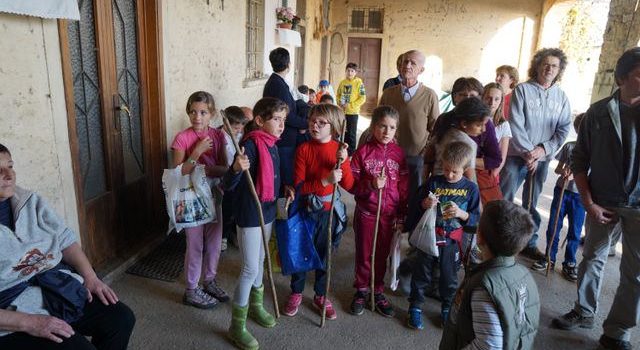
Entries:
{"x":264,"y":182}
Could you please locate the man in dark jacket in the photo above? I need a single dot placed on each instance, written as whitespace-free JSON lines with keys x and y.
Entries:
{"x":296,"y":123}
{"x":606,"y":166}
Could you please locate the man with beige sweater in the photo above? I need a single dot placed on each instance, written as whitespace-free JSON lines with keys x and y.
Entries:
{"x":418,"y":109}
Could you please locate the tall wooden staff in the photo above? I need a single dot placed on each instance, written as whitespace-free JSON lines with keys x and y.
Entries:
{"x":375,"y":241}
{"x":565,"y":181}
{"x":256,"y":199}
{"x":343,"y":127}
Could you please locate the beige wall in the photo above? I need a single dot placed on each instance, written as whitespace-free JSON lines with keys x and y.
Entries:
{"x":33,"y":121}
{"x":313,"y":72}
{"x":460,"y":38}
{"x":204,"y":49}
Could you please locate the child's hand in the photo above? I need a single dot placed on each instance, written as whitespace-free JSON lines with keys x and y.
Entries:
{"x":334,"y":177}
{"x":453,"y":211}
{"x":241,"y":162}
{"x":341,"y":155}
{"x":203,"y":145}
{"x":429,"y":202}
{"x":289,"y":192}
{"x":567,"y":174}
{"x":399,"y":227}
{"x":380,"y":181}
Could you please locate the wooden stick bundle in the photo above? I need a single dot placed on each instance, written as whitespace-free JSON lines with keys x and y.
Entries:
{"x":265,"y":243}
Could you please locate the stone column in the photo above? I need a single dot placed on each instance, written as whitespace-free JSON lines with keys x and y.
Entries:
{"x":622,"y":33}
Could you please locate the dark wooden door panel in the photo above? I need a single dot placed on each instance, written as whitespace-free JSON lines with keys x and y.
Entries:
{"x":366,"y":53}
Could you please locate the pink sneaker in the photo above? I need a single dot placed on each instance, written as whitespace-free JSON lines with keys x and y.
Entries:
{"x":291,"y":309}
{"x":330,"y":313}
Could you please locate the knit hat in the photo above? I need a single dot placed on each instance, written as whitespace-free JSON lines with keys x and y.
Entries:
{"x":324,"y":83}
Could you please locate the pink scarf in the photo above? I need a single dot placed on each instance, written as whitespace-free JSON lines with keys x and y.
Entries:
{"x":264,"y":182}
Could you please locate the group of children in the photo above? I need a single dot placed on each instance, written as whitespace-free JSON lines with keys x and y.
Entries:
{"x":376,"y":169}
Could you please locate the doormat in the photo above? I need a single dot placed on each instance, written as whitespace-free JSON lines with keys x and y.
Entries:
{"x":163,"y":263}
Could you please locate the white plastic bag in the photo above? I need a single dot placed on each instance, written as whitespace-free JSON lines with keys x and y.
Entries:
{"x":188,"y":198}
{"x":423,"y":236}
{"x":394,"y":261}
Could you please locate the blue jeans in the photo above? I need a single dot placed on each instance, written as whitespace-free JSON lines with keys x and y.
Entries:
{"x":571,"y":207}
{"x":422,"y":277}
{"x":352,"y":130}
{"x":511,"y":177}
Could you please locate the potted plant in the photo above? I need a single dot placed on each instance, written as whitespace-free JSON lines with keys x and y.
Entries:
{"x":285,"y":16}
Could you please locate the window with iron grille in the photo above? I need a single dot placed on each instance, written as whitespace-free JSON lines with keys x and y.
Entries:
{"x":365,"y":20}
{"x":255,"y":39}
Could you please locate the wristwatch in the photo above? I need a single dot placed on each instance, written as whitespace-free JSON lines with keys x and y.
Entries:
{"x":191,"y":161}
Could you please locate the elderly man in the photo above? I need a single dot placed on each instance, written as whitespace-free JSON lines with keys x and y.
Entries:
{"x":418,"y":109}
{"x":540,"y":121}
{"x":606,"y":164}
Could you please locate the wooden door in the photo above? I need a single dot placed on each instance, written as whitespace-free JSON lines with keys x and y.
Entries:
{"x":366,"y":53}
{"x":112,"y":80}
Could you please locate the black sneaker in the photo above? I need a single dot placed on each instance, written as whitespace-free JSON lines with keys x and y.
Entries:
{"x":572,"y":320}
{"x":541,"y":265}
{"x":358,"y":303}
{"x":533,"y":253}
{"x":570,"y":271}
{"x":383,"y":306}
{"x":608,"y":343}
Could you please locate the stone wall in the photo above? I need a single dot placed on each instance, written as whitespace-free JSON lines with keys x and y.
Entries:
{"x":622,"y":33}
{"x":33,"y":121}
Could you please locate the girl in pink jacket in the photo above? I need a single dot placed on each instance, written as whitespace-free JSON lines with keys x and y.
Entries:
{"x":380,"y":152}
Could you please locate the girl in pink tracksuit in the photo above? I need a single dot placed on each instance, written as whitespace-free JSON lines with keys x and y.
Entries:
{"x":380,"y":152}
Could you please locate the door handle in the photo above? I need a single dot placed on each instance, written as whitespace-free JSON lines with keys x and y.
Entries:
{"x":123,"y":107}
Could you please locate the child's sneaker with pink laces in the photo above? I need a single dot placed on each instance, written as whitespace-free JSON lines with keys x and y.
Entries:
{"x":291,"y":309}
{"x":330,"y":313}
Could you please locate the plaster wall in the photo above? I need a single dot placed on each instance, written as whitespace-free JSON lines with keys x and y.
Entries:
{"x":313,"y":72}
{"x":459,"y":38}
{"x":204,"y":49}
{"x":33,"y":122}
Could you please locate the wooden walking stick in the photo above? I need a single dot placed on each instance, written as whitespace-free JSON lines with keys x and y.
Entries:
{"x":565,"y":181}
{"x":343,"y":127}
{"x":265,"y":243}
{"x":530,"y":190}
{"x":375,"y":241}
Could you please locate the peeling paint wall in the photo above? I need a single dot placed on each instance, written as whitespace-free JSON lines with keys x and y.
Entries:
{"x":204,"y":49}
{"x":460,"y":38}
{"x":313,"y":71}
{"x":33,"y":121}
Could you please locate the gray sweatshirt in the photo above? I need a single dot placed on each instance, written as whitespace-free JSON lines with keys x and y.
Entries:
{"x":34,"y":247}
{"x":538,"y":117}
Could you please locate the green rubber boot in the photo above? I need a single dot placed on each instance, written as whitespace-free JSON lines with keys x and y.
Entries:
{"x":256,"y":308}
{"x":238,"y":330}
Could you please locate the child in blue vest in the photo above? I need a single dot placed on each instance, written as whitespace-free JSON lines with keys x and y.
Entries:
{"x":458,"y":202}
{"x":497,"y":305}
{"x":571,"y":207}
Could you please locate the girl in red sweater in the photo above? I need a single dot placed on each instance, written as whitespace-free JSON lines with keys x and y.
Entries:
{"x":380,"y":153}
{"x":315,"y":174}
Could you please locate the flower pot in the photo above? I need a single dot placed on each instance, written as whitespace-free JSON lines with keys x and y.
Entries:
{"x":285,"y":25}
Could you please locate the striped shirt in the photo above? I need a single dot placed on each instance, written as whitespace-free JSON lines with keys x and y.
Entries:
{"x":486,"y":322}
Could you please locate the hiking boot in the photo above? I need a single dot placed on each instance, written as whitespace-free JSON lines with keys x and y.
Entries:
{"x":257,"y":311}
{"x":211,"y":287}
{"x":198,"y":298}
{"x":572,"y":320}
{"x":570,"y":271}
{"x":358,"y":303}
{"x":238,"y":330}
{"x":533,"y":253}
{"x":330,"y":313}
{"x":608,"y":343}
{"x":415,"y":319}
{"x":383,"y":306}
{"x":291,"y":309}
{"x":541,"y":265}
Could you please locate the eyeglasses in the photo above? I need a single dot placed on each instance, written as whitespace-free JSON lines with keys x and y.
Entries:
{"x":320,"y":123}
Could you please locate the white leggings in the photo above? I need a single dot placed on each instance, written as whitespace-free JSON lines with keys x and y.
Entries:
{"x":250,"y":241}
